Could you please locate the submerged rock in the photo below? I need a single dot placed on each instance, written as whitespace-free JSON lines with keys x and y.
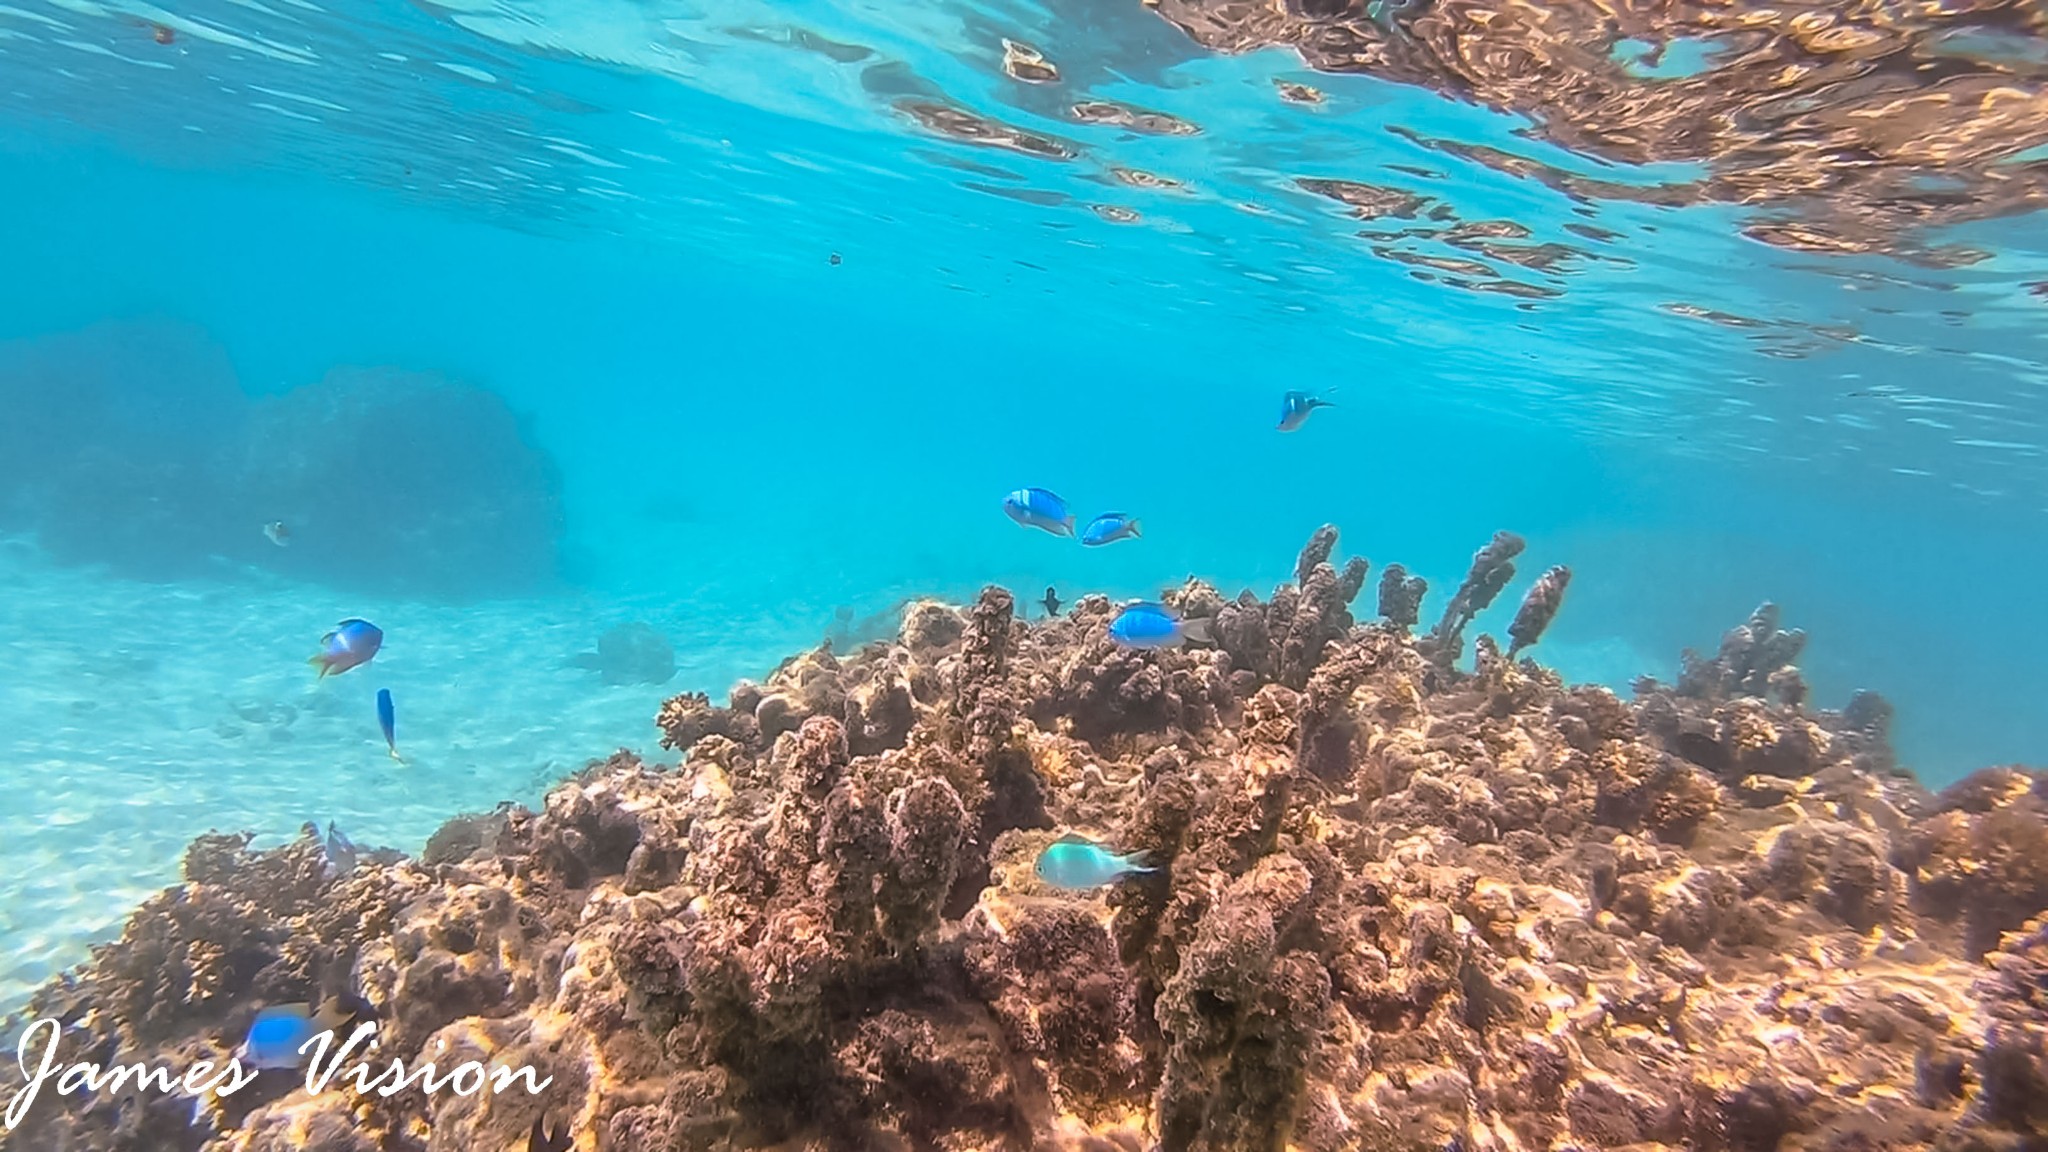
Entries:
{"x":1396,"y":905}
{"x":633,"y":653}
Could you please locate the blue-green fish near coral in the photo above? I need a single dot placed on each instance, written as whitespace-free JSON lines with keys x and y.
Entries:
{"x":1075,"y":862}
{"x":387,"y":719}
{"x":1110,"y":527}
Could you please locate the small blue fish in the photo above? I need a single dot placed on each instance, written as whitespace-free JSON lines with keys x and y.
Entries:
{"x":1110,"y":527}
{"x":1074,"y":862}
{"x":351,"y":643}
{"x":1037,"y":508}
{"x":1153,"y":626}
{"x":340,"y":851}
{"x":1295,"y":407}
{"x":278,"y":1034}
{"x":387,"y":719}
{"x":281,"y":1030}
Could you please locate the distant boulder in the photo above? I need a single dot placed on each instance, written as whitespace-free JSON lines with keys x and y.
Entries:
{"x":631,"y":654}
{"x":401,"y":481}
{"x":132,"y":445}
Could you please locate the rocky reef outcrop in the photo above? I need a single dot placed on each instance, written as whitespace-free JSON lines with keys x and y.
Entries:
{"x":1398,"y":904}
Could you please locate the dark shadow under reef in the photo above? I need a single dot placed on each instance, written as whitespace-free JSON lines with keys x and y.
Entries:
{"x":1401,"y":905}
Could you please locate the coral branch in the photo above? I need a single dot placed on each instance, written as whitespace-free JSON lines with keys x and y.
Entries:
{"x":1492,"y":567}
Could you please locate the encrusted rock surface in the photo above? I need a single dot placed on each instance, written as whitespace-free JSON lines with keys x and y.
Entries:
{"x":1400,"y":905}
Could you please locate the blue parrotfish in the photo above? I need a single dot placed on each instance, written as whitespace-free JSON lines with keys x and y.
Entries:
{"x":351,"y":643}
{"x":1295,"y":407}
{"x":1038,"y":508}
{"x":1148,"y":625}
{"x":1110,"y":527}
{"x":387,"y":719}
{"x":1075,"y":862}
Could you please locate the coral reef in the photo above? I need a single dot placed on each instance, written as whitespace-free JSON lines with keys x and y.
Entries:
{"x":1401,"y":597}
{"x":1756,"y":659}
{"x":1397,"y":906}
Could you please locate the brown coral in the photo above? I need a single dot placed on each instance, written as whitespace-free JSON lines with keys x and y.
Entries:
{"x":1492,"y":567}
{"x":1391,"y":905}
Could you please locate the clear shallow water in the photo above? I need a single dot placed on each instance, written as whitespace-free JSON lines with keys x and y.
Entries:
{"x":621,"y":219}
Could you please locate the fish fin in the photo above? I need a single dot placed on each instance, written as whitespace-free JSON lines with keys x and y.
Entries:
{"x":1197,"y":629}
{"x":1072,"y":838}
{"x":319,"y":663}
{"x":1069,"y":522}
{"x":1134,"y":529}
{"x":1143,"y":860}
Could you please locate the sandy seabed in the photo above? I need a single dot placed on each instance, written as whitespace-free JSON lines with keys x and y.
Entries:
{"x":137,"y":716}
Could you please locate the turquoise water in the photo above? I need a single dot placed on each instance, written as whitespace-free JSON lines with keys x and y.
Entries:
{"x":622,"y":219}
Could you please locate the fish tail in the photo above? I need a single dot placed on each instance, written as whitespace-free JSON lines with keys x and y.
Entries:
{"x":1134,"y":529}
{"x":320,"y":663}
{"x":1068,"y":523}
{"x":1197,"y":629}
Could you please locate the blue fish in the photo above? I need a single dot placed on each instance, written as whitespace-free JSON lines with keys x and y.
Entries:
{"x":1153,"y":626}
{"x":351,"y":643}
{"x":1110,"y":527}
{"x":281,"y":1030}
{"x":1295,"y":407}
{"x":1037,"y":508}
{"x":387,"y":719}
{"x":277,"y":1035}
{"x":1074,"y":862}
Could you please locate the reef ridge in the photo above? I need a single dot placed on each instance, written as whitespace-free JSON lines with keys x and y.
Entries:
{"x":1400,"y":905}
